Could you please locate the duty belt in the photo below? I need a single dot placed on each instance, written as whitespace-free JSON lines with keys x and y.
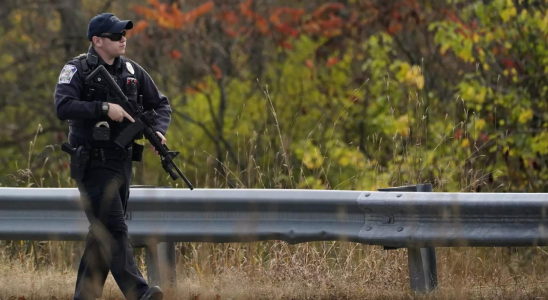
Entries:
{"x":111,"y":153}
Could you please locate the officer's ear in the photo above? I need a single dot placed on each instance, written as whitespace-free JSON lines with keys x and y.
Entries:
{"x":97,"y":41}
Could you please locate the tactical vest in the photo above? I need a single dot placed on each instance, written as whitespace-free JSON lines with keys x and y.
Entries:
{"x":92,"y":129}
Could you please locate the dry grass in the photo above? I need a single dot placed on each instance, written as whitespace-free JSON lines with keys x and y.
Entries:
{"x":326,"y":270}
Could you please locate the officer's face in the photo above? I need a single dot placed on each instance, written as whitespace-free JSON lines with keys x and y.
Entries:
{"x":112,"y":48}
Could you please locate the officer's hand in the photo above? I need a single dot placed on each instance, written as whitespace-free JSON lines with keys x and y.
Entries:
{"x":117,"y":113}
{"x":163,"y":141}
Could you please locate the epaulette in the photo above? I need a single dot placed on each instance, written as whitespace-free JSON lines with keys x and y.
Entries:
{"x":87,"y":60}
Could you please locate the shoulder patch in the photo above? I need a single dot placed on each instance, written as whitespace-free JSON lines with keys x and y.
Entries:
{"x":67,"y":73}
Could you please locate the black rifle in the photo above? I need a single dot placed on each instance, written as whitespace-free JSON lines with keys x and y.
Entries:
{"x":144,"y":122}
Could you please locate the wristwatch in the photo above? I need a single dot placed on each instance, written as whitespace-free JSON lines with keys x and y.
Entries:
{"x":104,"y":108}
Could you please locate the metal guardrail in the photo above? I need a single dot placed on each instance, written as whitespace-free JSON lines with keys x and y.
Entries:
{"x":394,"y":218}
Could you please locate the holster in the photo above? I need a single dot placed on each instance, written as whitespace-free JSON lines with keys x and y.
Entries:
{"x":79,"y":162}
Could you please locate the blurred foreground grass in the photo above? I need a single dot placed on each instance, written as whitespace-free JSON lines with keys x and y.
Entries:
{"x":276,"y":270}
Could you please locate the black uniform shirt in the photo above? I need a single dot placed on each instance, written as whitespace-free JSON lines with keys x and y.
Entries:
{"x":69,"y":90}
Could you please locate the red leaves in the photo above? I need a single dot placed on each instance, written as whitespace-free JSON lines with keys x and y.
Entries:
{"x":286,"y":45}
{"x":171,"y":16}
{"x":394,"y":28}
{"x":175,"y":54}
{"x":260,"y":22}
{"x":228,"y":17}
{"x":292,"y":17}
{"x":324,"y":22}
{"x":459,"y":134}
{"x":333,"y":60}
{"x":328,"y":8}
{"x":282,"y":23}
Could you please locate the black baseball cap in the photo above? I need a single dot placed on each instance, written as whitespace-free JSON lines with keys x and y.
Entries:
{"x":107,"y":23}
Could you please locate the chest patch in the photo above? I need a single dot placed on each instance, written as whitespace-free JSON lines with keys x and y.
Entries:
{"x":130,"y":68}
{"x":67,"y":73}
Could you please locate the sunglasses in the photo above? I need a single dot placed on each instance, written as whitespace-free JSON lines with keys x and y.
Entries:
{"x":114,"y":36}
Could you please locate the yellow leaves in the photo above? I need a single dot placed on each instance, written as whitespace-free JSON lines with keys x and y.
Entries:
{"x":479,"y":124}
{"x":313,"y":159}
{"x":310,"y":155}
{"x":540,"y":143}
{"x":414,"y":76}
{"x":481,"y":53}
{"x":489,"y":37}
{"x":350,"y":157}
{"x":508,"y":13}
{"x":475,"y":37}
{"x":402,"y":125}
{"x":444,"y":48}
{"x":473,"y":93}
{"x":525,"y":116}
{"x":465,"y":53}
{"x":465,"y":143}
{"x":524,"y":14}
{"x":411,"y":75}
{"x":544,"y":22}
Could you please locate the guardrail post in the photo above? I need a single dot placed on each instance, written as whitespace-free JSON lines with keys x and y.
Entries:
{"x":423,"y":273}
{"x":153,"y":264}
{"x":168,"y":263}
{"x":160,"y":258}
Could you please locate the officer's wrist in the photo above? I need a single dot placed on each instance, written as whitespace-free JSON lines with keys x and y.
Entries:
{"x":104,"y":108}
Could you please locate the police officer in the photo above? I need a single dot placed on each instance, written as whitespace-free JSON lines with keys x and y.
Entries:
{"x":101,"y":170}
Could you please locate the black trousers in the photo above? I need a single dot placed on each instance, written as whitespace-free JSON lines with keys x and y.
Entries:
{"x":105,"y":191}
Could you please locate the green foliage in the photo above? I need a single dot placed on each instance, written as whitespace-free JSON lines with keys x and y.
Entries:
{"x":456,"y":98}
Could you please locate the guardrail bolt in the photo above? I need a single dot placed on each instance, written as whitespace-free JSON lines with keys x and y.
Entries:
{"x":398,"y":195}
{"x":368,"y":228}
{"x":400,"y":229}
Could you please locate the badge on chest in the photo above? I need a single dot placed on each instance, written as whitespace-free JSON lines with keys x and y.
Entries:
{"x":129,"y":68}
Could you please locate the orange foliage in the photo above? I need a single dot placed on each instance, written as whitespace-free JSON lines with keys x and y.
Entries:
{"x":324,"y":22}
{"x":285,"y":21}
{"x":229,"y":17}
{"x":395,"y":28}
{"x":217,"y":70}
{"x":173,"y":17}
{"x":262,"y":25}
{"x":285,"y":28}
{"x":326,"y":8}
{"x":190,"y":90}
{"x":145,"y":12}
{"x":295,"y":14}
{"x":332,"y":61}
{"x":309,"y":64}
{"x":138,"y":28}
{"x":175,"y":54}
{"x":260,"y":22}
{"x":231,"y":32}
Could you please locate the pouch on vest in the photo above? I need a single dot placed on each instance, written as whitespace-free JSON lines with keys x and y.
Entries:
{"x":101,"y":131}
